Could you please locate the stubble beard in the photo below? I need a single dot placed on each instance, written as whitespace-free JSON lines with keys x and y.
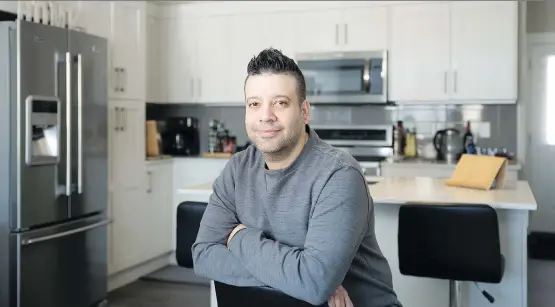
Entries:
{"x":284,"y":147}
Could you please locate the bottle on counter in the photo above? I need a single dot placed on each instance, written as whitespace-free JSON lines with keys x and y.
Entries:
{"x":399,"y":139}
{"x":468,"y":140}
{"x":410,"y":143}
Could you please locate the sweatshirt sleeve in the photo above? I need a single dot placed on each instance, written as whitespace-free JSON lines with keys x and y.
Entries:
{"x":211,"y":257}
{"x":335,"y":232}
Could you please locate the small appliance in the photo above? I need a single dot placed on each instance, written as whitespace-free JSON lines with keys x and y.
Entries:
{"x":448,"y":145}
{"x":181,"y":137}
{"x":345,"y":77}
{"x":368,"y":144}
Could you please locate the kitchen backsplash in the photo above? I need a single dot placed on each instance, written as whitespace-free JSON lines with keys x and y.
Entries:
{"x":492,"y":125}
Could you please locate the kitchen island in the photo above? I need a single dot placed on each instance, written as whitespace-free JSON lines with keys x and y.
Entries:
{"x":512,"y":203}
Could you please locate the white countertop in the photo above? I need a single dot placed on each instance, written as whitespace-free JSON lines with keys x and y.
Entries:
{"x":517,"y":195}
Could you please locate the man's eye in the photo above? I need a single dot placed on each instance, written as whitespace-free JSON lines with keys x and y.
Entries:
{"x":281,"y":102}
{"x":253,"y":104}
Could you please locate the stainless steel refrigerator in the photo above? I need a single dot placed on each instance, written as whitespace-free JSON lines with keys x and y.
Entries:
{"x":53,"y":166}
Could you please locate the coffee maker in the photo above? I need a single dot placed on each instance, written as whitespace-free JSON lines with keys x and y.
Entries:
{"x":181,"y":137}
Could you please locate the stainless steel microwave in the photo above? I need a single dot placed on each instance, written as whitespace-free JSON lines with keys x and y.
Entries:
{"x":345,"y":77}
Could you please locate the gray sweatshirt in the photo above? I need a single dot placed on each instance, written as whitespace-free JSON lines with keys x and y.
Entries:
{"x":310,"y":228}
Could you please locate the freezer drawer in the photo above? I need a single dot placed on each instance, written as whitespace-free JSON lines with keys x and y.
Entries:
{"x":64,"y":266}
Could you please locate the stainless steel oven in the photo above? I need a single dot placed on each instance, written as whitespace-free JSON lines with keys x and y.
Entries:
{"x":345,"y":77}
{"x":368,"y":144}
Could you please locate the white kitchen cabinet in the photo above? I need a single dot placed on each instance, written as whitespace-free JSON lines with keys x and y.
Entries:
{"x":365,"y":28}
{"x":127,"y":143}
{"x":454,"y":52}
{"x":279,"y":31}
{"x":179,"y":59}
{"x":319,"y":31}
{"x":158,"y":209}
{"x":155,"y":66}
{"x":129,"y":213}
{"x":484,"y":51}
{"x":246,"y":43}
{"x":357,"y":28}
{"x":419,"y":53}
{"x":128,"y":61}
{"x":212,"y":82}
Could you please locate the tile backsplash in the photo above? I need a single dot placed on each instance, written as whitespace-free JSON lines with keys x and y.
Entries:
{"x":492,"y":125}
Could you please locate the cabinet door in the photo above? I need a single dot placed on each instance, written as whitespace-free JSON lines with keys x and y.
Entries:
{"x":127,"y":139}
{"x":183,"y":76}
{"x":129,"y":216}
{"x":128,"y":43}
{"x":93,"y":17}
{"x":153,"y":61}
{"x":279,"y":30}
{"x":484,"y":38}
{"x":159,"y":209}
{"x":365,"y":28}
{"x":213,"y":60}
{"x":419,"y":57}
{"x":319,"y":31}
{"x":247,"y":43}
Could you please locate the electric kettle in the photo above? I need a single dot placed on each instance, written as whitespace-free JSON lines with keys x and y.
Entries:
{"x":448,"y":145}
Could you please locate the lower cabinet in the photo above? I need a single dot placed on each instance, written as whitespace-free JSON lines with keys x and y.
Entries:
{"x":141,"y":217}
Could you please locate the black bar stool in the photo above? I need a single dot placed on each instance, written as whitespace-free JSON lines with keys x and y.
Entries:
{"x":453,"y":242}
{"x":189,"y":215}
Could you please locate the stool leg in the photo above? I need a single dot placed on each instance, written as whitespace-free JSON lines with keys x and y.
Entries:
{"x":455,"y":294}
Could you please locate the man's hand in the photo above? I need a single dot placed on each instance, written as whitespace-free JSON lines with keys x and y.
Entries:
{"x":234,"y":231}
{"x":340,"y":298}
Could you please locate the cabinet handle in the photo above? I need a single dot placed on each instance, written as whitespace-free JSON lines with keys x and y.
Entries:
{"x":149,"y":190}
{"x":116,"y":118}
{"x":455,"y":81}
{"x":346,"y":34}
{"x":116,"y":79}
{"x":337,"y":34}
{"x":123,"y":119}
{"x":124,"y":80}
{"x":445,"y":82}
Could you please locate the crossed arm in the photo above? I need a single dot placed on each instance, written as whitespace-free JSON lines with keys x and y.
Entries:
{"x":311,"y":273}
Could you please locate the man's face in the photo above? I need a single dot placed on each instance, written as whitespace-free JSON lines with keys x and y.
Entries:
{"x":274,"y":119}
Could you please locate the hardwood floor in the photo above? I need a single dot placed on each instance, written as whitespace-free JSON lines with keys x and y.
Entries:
{"x":160,"y":294}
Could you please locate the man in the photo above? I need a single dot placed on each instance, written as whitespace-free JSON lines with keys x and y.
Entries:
{"x":291,"y":212}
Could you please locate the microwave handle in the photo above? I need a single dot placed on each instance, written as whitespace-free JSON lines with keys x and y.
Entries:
{"x":366,"y":76}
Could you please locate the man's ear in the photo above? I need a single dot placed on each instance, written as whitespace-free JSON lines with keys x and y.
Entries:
{"x":305,"y":111}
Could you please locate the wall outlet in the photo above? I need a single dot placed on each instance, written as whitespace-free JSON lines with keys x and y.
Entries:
{"x":483,"y":130}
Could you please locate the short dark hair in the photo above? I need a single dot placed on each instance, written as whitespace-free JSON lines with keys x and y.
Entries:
{"x":273,"y":61}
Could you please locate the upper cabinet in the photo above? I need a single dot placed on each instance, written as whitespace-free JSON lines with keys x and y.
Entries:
{"x":484,"y":51}
{"x":459,"y":52}
{"x":127,"y":74}
{"x":419,"y":54}
{"x":445,"y":52}
{"x":123,"y":24}
{"x":349,"y":29}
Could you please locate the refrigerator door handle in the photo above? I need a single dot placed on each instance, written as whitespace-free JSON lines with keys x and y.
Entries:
{"x":79,"y":124}
{"x":65,"y":233}
{"x":68,"y":123}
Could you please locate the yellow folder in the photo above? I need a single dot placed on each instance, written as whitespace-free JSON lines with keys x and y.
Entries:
{"x":479,"y":172}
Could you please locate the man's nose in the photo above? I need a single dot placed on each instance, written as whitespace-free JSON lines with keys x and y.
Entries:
{"x":267,"y":113}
